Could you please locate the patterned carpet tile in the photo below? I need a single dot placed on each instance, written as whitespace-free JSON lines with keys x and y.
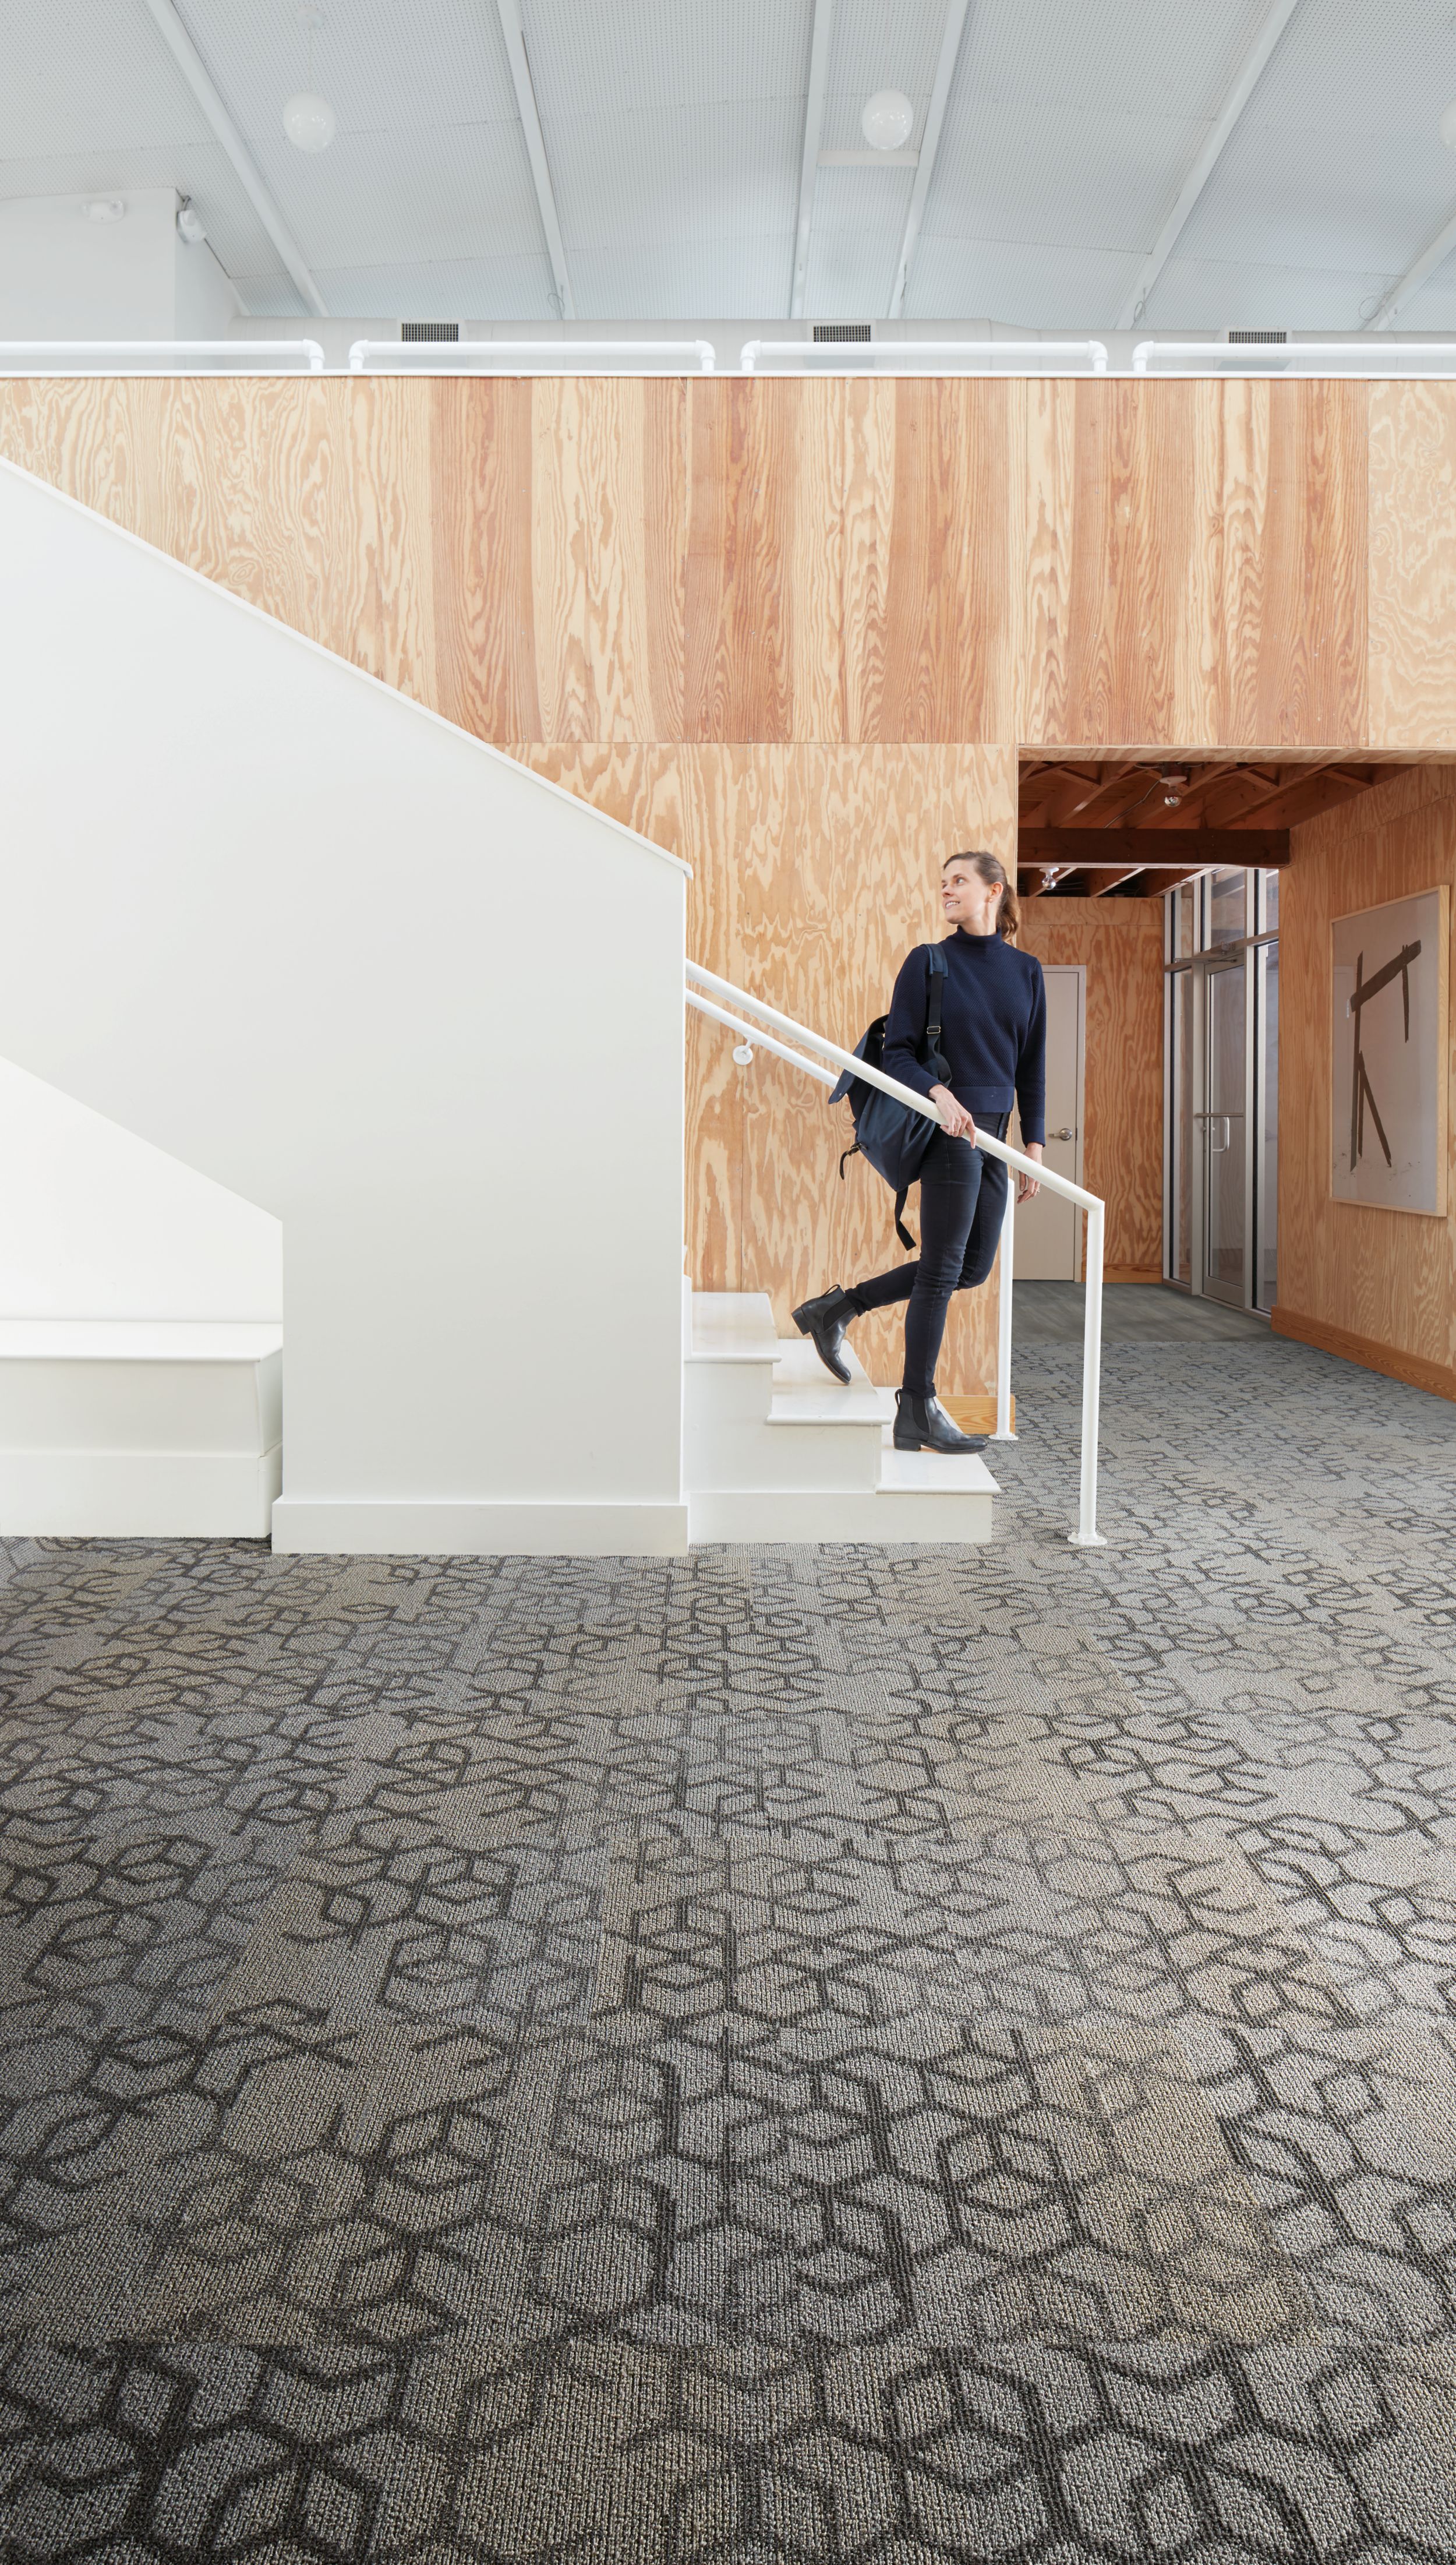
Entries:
{"x":778,"y":2055}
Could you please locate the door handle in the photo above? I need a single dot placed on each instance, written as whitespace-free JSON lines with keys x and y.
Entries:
{"x":1064,"y":1134}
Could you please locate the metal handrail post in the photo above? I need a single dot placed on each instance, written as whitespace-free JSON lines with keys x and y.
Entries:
{"x":1004,"y":1432}
{"x":1087,"y":1535}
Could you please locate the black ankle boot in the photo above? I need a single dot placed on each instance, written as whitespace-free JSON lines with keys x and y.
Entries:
{"x":825,"y":1319}
{"x":921,"y":1425}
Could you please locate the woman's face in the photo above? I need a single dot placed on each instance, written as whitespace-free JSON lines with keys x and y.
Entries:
{"x":967,"y":900}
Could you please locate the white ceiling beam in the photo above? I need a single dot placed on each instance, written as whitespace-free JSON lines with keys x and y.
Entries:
{"x":536,"y":151}
{"x":199,"y":80}
{"x":1437,"y":250}
{"x":1245,"y":80}
{"x":957,"y":12}
{"x":821,"y":30}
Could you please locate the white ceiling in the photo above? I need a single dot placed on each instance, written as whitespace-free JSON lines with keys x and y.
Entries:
{"x":674,"y":132}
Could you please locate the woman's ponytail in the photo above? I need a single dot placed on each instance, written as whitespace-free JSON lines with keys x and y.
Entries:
{"x":991,"y":869}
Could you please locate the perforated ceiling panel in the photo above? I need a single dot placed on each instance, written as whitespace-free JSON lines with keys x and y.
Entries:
{"x":674,"y":132}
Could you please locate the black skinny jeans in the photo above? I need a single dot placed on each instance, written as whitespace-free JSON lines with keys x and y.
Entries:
{"x":962,"y":1206}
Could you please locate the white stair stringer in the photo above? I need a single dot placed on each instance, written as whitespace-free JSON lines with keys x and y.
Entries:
{"x":774,"y":1449}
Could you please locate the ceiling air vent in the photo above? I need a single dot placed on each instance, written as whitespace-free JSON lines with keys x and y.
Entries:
{"x":841,"y":334}
{"x":431,"y":334}
{"x":1258,"y":338}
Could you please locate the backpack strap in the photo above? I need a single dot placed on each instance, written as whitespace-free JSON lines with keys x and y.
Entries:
{"x":935,"y":1001}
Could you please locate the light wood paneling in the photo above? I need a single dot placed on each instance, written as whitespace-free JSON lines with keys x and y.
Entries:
{"x":1385,"y":1276}
{"x":1119,"y":941}
{"x":838,"y":559}
{"x":1196,"y":564}
{"x":815,"y":870}
{"x":1412,"y":565}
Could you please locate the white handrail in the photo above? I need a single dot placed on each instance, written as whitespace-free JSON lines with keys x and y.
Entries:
{"x":921,"y":356}
{"x":1087,"y":1535}
{"x":765,"y":1041}
{"x":530,"y":355}
{"x":1004,"y":1432}
{"x":167,"y":355}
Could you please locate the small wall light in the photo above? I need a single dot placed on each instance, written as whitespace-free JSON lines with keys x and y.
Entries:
{"x":190,"y":223}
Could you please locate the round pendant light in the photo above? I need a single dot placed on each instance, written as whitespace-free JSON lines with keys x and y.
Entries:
{"x":308,"y":121}
{"x":888,"y":121}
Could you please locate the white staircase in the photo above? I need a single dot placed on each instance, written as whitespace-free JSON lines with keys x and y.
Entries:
{"x":773,"y":1449}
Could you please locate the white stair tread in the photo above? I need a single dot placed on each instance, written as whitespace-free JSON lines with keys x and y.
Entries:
{"x":733,"y":1326}
{"x":947,"y":1474}
{"x":805,"y":1393}
{"x":137,"y":1340}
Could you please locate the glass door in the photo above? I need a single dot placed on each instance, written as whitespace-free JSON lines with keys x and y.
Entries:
{"x":1223,"y":1122}
{"x":1222,"y":1087}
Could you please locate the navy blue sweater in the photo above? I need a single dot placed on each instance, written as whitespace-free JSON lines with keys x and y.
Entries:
{"x":993,"y":1028}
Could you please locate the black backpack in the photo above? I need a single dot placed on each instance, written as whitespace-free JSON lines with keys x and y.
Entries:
{"x":892,"y":1136}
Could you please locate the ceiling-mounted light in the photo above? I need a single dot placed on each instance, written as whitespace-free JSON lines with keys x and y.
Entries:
{"x":103,"y":209}
{"x":1175,"y":782}
{"x":190,"y":224}
{"x":307,"y":120}
{"x":887,"y":121}
{"x":1448,"y":127}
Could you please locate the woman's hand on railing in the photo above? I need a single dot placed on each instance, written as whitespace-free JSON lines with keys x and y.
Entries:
{"x":1027,"y":1187}
{"x":954,"y":1117}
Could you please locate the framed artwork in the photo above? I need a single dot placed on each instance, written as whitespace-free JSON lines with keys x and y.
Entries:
{"x":1389,"y":1057}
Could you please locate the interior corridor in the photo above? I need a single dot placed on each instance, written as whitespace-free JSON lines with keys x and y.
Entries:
{"x":802,"y":2053}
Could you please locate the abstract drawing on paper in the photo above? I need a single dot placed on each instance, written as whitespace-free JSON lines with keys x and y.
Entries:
{"x":1389,"y":1104}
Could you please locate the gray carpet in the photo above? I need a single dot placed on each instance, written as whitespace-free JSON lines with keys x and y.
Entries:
{"x":786,"y":2055}
{"x":1132,"y":1314}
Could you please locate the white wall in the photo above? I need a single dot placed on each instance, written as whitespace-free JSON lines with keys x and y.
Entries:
{"x":98,"y":1224}
{"x":376,"y":978}
{"x":63,"y":276}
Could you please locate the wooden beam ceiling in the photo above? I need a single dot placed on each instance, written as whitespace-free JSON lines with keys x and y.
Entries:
{"x":1099,"y":827}
{"x":1118,"y":848}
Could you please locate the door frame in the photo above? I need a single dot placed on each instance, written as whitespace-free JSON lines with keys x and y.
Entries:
{"x":1076,"y":971}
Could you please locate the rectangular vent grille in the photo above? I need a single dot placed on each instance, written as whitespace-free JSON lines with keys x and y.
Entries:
{"x":841,"y":334}
{"x":1258,"y":338}
{"x":432,"y":334}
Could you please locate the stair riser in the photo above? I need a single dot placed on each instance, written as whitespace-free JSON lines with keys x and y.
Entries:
{"x":881,"y":1521}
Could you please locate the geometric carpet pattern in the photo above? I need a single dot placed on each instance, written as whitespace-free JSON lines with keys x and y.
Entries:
{"x":838,"y":2056}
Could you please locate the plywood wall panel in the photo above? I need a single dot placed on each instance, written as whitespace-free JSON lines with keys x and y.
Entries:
{"x":815,"y":870}
{"x":1119,"y":944}
{"x":1386,"y":1276}
{"x":1312,"y":683}
{"x":1412,"y":565}
{"x":481,"y":545}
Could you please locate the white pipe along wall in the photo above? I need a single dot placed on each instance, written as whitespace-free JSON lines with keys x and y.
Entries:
{"x":376,"y":978}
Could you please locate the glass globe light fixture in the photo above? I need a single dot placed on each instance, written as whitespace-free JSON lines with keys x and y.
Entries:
{"x":887,"y":121}
{"x":308,"y":121}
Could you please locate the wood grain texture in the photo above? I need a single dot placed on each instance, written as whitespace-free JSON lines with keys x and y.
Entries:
{"x":1385,"y":1277}
{"x":1412,"y":565}
{"x":815,"y":870}
{"x":575,"y":559}
{"x":1438,"y":1378}
{"x":1119,"y":942}
{"x":1195,"y":564}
